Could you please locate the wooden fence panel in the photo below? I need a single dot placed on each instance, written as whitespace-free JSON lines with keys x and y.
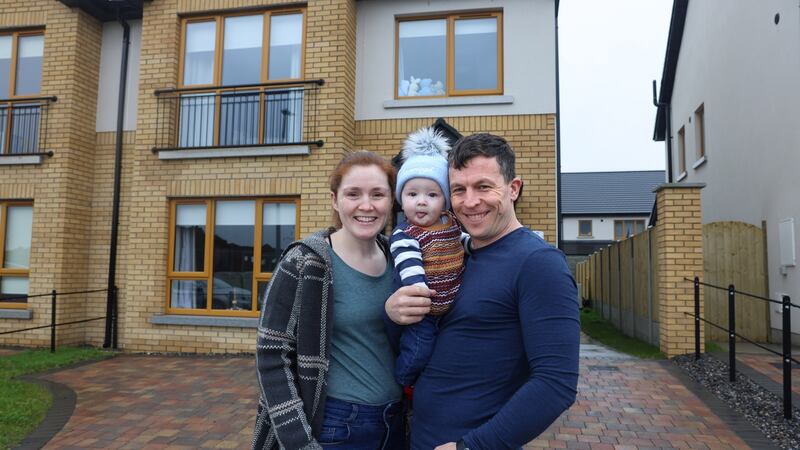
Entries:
{"x":734,"y":254}
{"x":641,"y":267}
{"x":625,"y":280}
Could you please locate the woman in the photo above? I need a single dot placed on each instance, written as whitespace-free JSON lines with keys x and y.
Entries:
{"x":325,"y":365}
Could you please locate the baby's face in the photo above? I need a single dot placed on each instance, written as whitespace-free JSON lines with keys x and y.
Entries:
{"x":423,"y":201}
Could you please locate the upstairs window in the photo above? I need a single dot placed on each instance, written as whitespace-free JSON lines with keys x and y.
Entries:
{"x":457,"y":54}
{"x":681,"y":153}
{"x":232,"y":70}
{"x":20,"y":80}
{"x":700,"y":132}
{"x":626,"y":228}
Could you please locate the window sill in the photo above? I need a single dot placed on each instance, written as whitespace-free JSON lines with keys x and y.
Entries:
{"x":681,"y":177}
{"x":205,"y":321}
{"x":410,"y":102}
{"x":21,"y":314}
{"x":699,"y":162}
{"x":234,"y":152}
{"x":24,"y":159}
{"x":585,"y":236}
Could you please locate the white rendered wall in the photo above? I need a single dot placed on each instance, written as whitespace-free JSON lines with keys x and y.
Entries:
{"x":108,"y":90}
{"x":528,"y":56}
{"x":745,"y":70}
{"x":602,"y":227}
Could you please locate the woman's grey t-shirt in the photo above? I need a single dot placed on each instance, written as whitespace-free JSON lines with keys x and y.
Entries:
{"x":362,"y":361}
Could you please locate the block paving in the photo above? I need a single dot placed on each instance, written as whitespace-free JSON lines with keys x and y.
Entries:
{"x":766,"y":364}
{"x":170,"y":402}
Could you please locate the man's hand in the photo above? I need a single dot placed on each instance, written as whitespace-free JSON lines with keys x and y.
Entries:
{"x":409,"y":304}
{"x":448,"y":446}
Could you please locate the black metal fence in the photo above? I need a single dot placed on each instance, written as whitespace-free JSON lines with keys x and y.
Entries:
{"x":23,"y":125}
{"x":786,"y":354}
{"x":53,"y":325}
{"x":253,"y":115}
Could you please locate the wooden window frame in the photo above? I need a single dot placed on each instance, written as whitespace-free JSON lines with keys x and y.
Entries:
{"x":11,"y":272}
{"x":700,"y":132}
{"x":12,"y":82}
{"x":216,"y":86}
{"x":590,"y":228}
{"x":681,"y":151}
{"x":624,"y":222}
{"x":450,"y":19}
{"x":208,"y":273}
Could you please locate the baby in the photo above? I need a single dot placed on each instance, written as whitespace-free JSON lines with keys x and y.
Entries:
{"x":428,"y":249}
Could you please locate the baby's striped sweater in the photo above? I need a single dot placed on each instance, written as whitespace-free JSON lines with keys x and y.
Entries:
{"x":431,"y":256}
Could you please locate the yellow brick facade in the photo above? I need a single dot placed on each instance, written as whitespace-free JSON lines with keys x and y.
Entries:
{"x":72,"y":191}
{"x":679,"y":247}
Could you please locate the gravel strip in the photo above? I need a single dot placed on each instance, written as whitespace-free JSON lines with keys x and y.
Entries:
{"x":760,"y":407}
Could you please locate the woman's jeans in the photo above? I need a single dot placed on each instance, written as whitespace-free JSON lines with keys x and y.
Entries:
{"x":354,"y":426}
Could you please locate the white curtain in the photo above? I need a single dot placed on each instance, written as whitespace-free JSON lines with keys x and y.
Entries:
{"x":187,"y":221}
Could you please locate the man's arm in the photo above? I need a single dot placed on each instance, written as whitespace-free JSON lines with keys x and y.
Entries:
{"x":549,"y":319}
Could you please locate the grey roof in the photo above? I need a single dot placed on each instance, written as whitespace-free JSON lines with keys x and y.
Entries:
{"x":609,"y":192}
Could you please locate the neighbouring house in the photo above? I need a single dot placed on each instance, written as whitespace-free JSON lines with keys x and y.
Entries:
{"x":235,"y":111}
{"x":599,"y":208}
{"x":728,"y":116}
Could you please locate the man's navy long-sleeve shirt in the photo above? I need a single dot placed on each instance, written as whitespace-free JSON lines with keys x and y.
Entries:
{"x":505,"y":363}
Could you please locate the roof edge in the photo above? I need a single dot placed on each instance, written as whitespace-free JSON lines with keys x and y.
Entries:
{"x":674,"y":39}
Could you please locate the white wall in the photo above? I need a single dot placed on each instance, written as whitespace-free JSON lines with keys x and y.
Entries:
{"x":108,"y":92}
{"x":745,"y":69}
{"x":528,"y":56}
{"x":602,"y":227}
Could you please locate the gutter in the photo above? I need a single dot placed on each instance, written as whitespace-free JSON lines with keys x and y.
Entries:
{"x":667,"y":108}
{"x":559,"y":218}
{"x":110,"y":339}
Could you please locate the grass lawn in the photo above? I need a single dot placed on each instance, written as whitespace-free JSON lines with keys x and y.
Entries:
{"x":604,"y":332}
{"x":23,"y":405}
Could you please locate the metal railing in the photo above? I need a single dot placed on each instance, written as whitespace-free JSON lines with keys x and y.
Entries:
{"x":786,"y":354}
{"x":253,"y":115}
{"x":53,"y":325}
{"x":23,"y":126}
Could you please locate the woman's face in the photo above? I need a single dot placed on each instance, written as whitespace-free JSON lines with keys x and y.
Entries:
{"x":363,"y":201}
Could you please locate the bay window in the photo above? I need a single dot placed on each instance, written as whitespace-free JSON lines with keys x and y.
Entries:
{"x":223,"y":252}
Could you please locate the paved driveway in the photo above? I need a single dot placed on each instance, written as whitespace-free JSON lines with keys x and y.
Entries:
{"x":155,"y":402}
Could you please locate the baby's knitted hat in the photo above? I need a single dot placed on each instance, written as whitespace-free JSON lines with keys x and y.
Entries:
{"x":425,"y":156}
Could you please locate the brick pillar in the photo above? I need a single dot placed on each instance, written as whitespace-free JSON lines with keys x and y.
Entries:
{"x":679,"y":249}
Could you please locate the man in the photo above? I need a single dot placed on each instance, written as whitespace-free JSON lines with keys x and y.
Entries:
{"x":505,"y":362}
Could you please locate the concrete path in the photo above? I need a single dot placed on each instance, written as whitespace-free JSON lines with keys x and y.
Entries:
{"x":157,"y":402}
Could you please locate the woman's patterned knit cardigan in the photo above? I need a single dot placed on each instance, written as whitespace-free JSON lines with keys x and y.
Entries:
{"x":293,"y":346}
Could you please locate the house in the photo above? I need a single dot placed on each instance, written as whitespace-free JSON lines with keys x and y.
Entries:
{"x":599,"y":208}
{"x":728,"y":104}
{"x":233,"y":114}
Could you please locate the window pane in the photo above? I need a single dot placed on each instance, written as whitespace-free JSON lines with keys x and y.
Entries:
{"x":283,"y":117}
{"x":285,"y":42}
{"x":18,"y":237}
{"x":30,"y":50}
{"x":24,"y":129}
{"x":476,"y":54}
{"x":189,"y":294}
{"x":198,"y":62}
{"x":278,"y":231}
{"x":239,"y":119}
{"x":197,"y":121}
{"x":14,"y":289}
{"x":639,"y":226}
{"x":421,"y":60}
{"x":234,"y":233}
{"x":584,"y":227}
{"x":618,"y":233}
{"x":5,"y":66}
{"x":3,"y":116}
{"x":241,"y":58}
{"x":190,"y":238}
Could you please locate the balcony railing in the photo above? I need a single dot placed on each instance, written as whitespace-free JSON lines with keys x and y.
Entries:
{"x":23,"y":126}
{"x":257,"y":115}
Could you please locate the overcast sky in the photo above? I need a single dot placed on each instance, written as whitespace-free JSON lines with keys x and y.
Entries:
{"x":610,"y":52}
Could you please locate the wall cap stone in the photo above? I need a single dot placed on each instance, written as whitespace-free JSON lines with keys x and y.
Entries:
{"x":205,"y":321}
{"x":661,"y":187}
{"x":449,"y":101}
{"x":22,"y":314}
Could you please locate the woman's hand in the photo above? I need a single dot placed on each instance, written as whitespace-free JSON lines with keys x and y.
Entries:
{"x":409,"y":304}
{"x":448,"y":446}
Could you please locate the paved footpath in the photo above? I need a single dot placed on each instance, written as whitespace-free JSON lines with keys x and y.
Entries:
{"x":152,"y":402}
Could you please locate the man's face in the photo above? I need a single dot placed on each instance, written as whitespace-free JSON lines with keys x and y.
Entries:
{"x":483,"y":201}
